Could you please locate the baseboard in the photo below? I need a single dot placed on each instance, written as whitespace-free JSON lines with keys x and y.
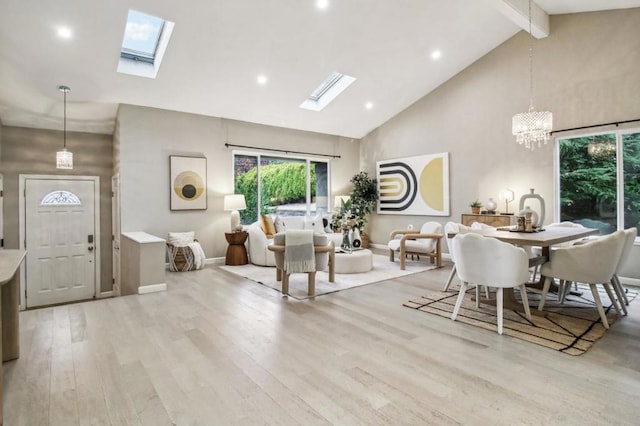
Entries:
{"x":105,"y":294}
{"x":152,"y":288}
{"x":635,"y":282}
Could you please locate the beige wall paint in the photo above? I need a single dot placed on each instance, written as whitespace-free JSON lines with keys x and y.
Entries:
{"x":585,"y":72}
{"x":33,"y":151}
{"x":145,"y":139}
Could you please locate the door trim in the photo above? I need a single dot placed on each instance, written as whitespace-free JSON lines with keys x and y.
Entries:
{"x":23,"y":219}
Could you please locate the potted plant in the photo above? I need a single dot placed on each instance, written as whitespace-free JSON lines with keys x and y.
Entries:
{"x":475,"y":207}
{"x":363,"y":201}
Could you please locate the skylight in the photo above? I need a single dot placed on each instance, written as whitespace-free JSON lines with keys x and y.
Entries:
{"x":327,"y":91}
{"x":145,"y":40}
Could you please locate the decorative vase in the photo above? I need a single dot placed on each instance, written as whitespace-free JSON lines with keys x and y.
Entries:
{"x":354,"y":238}
{"x":491,"y":206}
{"x":538,"y":220}
{"x":528,"y":212}
{"x":346,"y":242}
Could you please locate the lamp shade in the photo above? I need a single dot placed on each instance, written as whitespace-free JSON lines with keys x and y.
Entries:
{"x":234,"y":202}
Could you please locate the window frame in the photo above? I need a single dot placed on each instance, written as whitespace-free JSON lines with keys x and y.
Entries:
{"x":308,"y":159}
{"x":619,"y":136}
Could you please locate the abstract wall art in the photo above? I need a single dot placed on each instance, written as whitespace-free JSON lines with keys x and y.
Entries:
{"x":414,"y":185}
{"x":188,"y":183}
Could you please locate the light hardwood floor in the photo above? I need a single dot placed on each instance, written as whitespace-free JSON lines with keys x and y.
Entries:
{"x":216,"y":349}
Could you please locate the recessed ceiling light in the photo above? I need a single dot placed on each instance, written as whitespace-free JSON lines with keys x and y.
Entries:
{"x":262,"y":80}
{"x":368,"y":105}
{"x":322,"y":4}
{"x":436,"y":54}
{"x":64,"y":32}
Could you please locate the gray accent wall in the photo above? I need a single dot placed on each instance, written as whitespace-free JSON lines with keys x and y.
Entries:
{"x":33,"y":151}
{"x":586,"y":72}
{"x":146,"y":137}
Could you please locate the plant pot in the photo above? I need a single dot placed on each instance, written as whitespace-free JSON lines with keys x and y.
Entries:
{"x":475,"y":210}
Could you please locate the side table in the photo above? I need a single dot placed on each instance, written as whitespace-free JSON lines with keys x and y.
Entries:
{"x":236,"y":252}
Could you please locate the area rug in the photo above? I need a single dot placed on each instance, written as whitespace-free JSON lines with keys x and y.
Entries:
{"x":382,"y":270}
{"x":571,"y":328}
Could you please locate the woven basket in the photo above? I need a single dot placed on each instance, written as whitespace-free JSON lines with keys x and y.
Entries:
{"x":180,"y":258}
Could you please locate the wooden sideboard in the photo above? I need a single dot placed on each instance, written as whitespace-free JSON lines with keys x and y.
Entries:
{"x":489,"y":219}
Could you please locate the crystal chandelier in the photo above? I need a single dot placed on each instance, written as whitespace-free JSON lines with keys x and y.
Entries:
{"x":64,"y":158}
{"x":533,"y":127}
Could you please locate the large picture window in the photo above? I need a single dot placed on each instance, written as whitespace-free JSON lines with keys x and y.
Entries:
{"x":599,"y":184}
{"x":282,"y":185}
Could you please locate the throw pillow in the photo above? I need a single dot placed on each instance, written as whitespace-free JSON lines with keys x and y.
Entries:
{"x":318,"y":224}
{"x":327,"y":224}
{"x":279,"y":222}
{"x":267,"y":225}
{"x":181,"y":239}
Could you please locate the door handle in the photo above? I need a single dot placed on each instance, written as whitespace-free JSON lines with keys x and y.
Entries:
{"x":90,"y":248}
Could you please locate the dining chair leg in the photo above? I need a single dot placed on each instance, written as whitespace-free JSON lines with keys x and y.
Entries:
{"x":463,"y":291}
{"x":499,"y":304}
{"x":311,"y":290}
{"x":619,"y":294}
{"x":596,"y":298}
{"x":486,"y":291}
{"x":563,"y":289}
{"x":545,"y":290}
{"x":525,"y":301}
{"x":477,"y":296}
{"x":613,"y":299}
{"x":452,"y":274}
{"x":617,"y":283}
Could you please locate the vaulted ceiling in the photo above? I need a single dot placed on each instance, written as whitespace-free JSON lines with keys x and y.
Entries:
{"x":219,"y":47}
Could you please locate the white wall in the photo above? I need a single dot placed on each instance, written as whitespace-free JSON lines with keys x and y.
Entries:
{"x":146,"y":137}
{"x":585,"y":72}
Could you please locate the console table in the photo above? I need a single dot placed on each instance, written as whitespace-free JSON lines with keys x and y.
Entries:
{"x":236,"y":252}
{"x":10,"y":261}
{"x":494,"y":220}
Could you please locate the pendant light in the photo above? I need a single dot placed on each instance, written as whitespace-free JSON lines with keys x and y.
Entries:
{"x":64,"y":158}
{"x":533,"y":127}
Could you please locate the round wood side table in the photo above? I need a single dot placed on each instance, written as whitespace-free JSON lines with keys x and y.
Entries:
{"x":236,"y":252}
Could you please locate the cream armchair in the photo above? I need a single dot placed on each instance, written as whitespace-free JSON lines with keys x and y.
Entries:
{"x":324,"y":250}
{"x":426,"y":242}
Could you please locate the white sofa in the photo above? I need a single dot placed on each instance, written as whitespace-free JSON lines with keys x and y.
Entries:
{"x":258,"y":242}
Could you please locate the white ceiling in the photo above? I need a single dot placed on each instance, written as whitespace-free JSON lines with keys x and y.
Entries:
{"x":219,"y":47}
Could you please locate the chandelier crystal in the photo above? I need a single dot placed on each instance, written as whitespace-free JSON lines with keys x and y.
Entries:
{"x":64,"y":157}
{"x":532,"y":128}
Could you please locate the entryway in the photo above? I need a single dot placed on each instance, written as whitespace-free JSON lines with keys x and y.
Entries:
{"x":59,"y":216}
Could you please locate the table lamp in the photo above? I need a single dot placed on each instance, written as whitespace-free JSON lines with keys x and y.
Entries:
{"x":508,"y":196}
{"x":233,"y":203}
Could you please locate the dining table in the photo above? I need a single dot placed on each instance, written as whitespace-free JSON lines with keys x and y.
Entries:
{"x":544,"y":238}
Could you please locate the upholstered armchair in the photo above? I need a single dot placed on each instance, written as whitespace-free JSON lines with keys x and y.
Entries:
{"x":493,"y":263}
{"x":426,"y":242}
{"x":594,"y":262}
{"x":324,"y":250}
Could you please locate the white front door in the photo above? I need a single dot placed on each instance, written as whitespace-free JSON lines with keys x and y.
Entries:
{"x":60,"y":237}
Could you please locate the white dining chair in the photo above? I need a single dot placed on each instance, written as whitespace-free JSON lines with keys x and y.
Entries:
{"x":450,"y":230}
{"x":592,"y":263}
{"x":493,"y":263}
{"x":629,"y":239}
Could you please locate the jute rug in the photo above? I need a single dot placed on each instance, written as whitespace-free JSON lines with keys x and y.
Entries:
{"x":571,"y":328}
{"x":382,"y":270}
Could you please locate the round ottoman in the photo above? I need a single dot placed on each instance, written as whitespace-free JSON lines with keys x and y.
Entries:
{"x":354,"y":262}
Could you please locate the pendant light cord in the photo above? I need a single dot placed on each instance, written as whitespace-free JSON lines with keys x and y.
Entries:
{"x":530,"y":61}
{"x":64,"y":131}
